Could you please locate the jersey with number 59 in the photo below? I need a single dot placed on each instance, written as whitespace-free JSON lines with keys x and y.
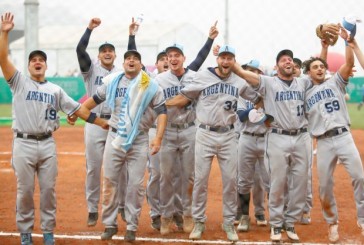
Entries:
{"x":217,"y":98}
{"x":35,"y":105}
{"x":326,"y":107}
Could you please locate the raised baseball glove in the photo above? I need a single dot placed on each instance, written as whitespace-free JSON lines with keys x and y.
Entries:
{"x":328,"y":32}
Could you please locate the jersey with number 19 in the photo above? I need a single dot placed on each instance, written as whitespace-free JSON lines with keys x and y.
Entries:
{"x":35,"y":105}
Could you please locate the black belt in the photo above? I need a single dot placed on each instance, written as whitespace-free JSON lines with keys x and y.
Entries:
{"x":114,"y":130}
{"x":217,"y":129}
{"x":180,"y":125}
{"x":38,"y":137}
{"x":106,"y":116}
{"x":291,"y":132}
{"x":332,"y":132}
{"x":253,"y":134}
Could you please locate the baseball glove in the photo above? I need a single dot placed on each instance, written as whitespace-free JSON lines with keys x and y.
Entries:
{"x":328,"y":33}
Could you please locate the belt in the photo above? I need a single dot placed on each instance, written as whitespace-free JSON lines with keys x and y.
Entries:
{"x":253,"y":134}
{"x":291,"y":132}
{"x":106,"y":116}
{"x":114,"y":130}
{"x":217,"y":129}
{"x":332,"y":132}
{"x":180,"y":125}
{"x":38,"y":137}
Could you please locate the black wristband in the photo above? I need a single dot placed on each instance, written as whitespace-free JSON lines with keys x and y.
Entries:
{"x":91,"y":118}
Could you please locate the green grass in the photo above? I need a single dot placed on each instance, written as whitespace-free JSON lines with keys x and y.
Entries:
{"x":5,"y":117}
{"x":357,"y":117}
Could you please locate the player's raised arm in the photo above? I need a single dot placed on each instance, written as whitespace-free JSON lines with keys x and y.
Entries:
{"x":7,"y":25}
{"x":346,"y":69}
{"x":250,"y":77}
{"x":205,"y":50}
{"x":83,"y":57}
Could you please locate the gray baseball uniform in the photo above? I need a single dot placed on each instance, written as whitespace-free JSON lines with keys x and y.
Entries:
{"x":178,"y":143}
{"x":329,"y":122}
{"x":215,"y":111}
{"x":134,"y":160}
{"x":251,"y":151}
{"x":95,"y":137}
{"x":35,"y":117}
{"x":288,"y":146}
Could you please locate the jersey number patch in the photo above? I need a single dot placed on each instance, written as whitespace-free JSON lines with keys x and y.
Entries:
{"x":231,"y":104}
{"x":332,"y":106}
{"x":50,"y":114}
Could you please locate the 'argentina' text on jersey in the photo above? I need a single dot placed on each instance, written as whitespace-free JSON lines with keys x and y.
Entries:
{"x":222,"y":88}
{"x":171,"y":91}
{"x":319,"y":95}
{"x":42,"y":97}
{"x":289,"y":95}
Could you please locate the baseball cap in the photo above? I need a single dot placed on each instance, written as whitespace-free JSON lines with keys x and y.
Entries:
{"x":39,"y":53}
{"x":175,"y":46}
{"x":225,"y":49}
{"x":284,"y":52}
{"x":255,"y":64}
{"x":105,"y":45}
{"x":297,"y":61}
{"x":161,"y":54}
{"x":132,"y":52}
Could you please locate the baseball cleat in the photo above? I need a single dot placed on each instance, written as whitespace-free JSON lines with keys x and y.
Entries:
{"x":333,"y":232}
{"x":108,"y":233}
{"x":230,"y":232}
{"x":92,"y":219}
{"x":244,"y":223}
{"x":26,"y":239}
{"x":275,"y":234}
{"x":291,"y":233}
{"x":197,"y":231}
{"x":261,"y":221}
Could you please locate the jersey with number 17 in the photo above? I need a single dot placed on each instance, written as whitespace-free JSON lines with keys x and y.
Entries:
{"x":325,"y":106}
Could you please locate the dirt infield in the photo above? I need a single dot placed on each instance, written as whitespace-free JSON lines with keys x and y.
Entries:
{"x":72,"y":211}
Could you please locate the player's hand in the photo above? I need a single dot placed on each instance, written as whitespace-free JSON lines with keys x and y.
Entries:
{"x":7,"y":23}
{"x":104,"y":124}
{"x":94,"y":22}
{"x":215,"y":50}
{"x":71,"y":119}
{"x":132,"y":26}
{"x":155,"y":145}
{"x":213,"y":31}
{"x":259,"y":105}
{"x":324,"y":44}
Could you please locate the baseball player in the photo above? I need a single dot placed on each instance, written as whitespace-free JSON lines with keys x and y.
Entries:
{"x":250,"y":153}
{"x":95,"y":137}
{"x":179,"y":139}
{"x":216,"y":91}
{"x":114,"y":91}
{"x":329,"y":123}
{"x":36,"y":103}
{"x":288,"y":144}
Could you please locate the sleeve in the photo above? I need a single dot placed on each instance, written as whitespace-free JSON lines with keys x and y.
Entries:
{"x":201,"y":56}
{"x":249,"y":93}
{"x":83,"y":57}
{"x":131,"y":43}
{"x":340,"y":82}
{"x":100,"y":94}
{"x":67,"y":104}
{"x":158,"y":102}
{"x":16,"y":81}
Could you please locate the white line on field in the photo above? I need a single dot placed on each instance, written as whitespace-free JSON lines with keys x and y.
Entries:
{"x":160,"y":240}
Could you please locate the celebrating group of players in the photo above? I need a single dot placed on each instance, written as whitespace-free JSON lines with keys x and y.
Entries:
{"x":130,"y":129}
